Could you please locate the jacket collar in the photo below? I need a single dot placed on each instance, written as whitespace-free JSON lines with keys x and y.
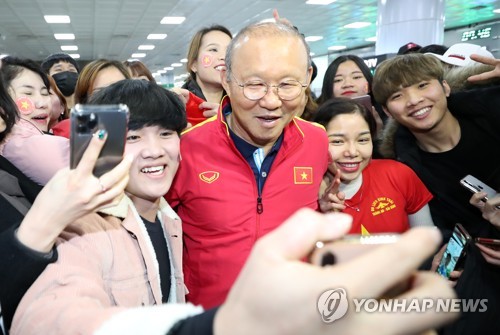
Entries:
{"x":122,"y":208}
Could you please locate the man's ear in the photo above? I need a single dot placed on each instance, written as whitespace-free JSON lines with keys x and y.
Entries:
{"x":309,"y":75}
{"x":223,"y":80}
{"x":386,"y":111}
{"x":446,"y":87}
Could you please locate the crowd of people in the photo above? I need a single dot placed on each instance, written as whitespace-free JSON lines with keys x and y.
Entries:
{"x":227,"y":184}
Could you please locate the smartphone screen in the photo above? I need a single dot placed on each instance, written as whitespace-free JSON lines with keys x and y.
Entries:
{"x":454,"y":252}
{"x":87,"y":120}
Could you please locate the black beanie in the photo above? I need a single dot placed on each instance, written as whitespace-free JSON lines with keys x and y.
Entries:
{"x":55,"y":58}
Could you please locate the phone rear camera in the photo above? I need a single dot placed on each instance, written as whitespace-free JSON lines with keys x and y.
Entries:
{"x":92,"y":123}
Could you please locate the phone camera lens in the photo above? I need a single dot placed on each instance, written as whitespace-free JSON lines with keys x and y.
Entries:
{"x":92,"y":122}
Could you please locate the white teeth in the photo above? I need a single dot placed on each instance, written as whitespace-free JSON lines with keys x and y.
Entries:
{"x":220,"y":67}
{"x":349,"y":165}
{"x":422,"y":111}
{"x":153,"y":169}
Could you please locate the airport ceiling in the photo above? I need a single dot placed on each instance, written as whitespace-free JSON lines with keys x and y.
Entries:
{"x":116,"y":28}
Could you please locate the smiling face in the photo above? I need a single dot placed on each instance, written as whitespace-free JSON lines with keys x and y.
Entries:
{"x":210,"y":60}
{"x":272,"y":59}
{"x":349,"y":81}
{"x":32,"y":98}
{"x":156,"y":152}
{"x":350,"y":145}
{"x":419,"y":107}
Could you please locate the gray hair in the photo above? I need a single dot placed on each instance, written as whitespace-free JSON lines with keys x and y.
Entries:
{"x":263,"y":29}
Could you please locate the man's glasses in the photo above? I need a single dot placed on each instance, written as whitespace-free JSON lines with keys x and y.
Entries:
{"x":256,"y":90}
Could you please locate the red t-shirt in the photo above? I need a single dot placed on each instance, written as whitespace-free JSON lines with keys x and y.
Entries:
{"x":389,"y":193}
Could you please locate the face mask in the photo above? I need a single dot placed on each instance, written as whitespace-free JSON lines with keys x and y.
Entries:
{"x":66,"y":82}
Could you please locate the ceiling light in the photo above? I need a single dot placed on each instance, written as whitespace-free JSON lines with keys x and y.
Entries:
{"x":319,"y":2}
{"x":162,"y":71}
{"x":57,"y":18}
{"x":155,"y":74}
{"x":172,"y":20}
{"x":184,"y":60}
{"x":176,"y":64}
{"x":69,"y":47}
{"x":157,"y":36}
{"x":496,"y":11}
{"x":371,"y":39}
{"x":337,"y":47}
{"x":312,"y":54}
{"x":75,"y":56}
{"x":138,"y":55}
{"x":356,"y":25}
{"x":146,"y":47}
{"x":64,"y":36}
{"x":168,"y":68}
{"x":313,"y":38}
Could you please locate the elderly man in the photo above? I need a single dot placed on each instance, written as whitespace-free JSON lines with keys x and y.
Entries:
{"x":251,"y":166}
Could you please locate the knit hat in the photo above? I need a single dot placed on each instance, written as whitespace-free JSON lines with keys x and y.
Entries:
{"x":459,"y":54}
{"x":57,"y":57}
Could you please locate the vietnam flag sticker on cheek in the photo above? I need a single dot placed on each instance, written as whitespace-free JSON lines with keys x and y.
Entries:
{"x":206,"y":60}
{"x":25,"y":105}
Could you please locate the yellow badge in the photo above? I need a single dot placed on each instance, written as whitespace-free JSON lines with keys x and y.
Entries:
{"x":209,"y":176}
{"x":302,"y":175}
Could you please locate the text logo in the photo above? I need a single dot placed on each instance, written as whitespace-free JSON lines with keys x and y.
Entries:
{"x":302,"y":175}
{"x":209,"y":176}
{"x":332,"y":305}
{"x":382,"y":205}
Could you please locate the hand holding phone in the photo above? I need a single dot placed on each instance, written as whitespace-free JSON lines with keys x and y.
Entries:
{"x":488,"y":242}
{"x":89,"y":119}
{"x":475,"y":185}
{"x":455,"y":251}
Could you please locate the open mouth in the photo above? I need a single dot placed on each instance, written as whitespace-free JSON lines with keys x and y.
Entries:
{"x":420,"y":112}
{"x":40,"y":118}
{"x":268,"y":119}
{"x":154,"y":170}
{"x":220,"y":67}
{"x":349,"y":167}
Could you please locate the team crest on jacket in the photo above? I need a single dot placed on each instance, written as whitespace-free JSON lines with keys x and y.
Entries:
{"x":209,"y":176}
{"x":302,"y":175}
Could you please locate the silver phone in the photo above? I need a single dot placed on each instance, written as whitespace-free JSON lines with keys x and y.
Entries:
{"x":475,"y":185}
{"x":88,"y":119}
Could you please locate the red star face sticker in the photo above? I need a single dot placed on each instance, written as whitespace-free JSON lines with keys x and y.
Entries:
{"x":206,"y":60}
{"x":25,"y":105}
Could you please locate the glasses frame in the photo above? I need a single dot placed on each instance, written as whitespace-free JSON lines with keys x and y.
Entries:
{"x":242,"y":86}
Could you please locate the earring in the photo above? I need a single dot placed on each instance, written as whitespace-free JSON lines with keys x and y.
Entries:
{"x":179,"y":158}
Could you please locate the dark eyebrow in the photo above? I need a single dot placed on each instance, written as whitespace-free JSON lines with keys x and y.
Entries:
{"x":27,"y":86}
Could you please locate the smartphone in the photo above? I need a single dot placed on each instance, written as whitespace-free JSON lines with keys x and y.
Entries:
{"x":364,"y":100}
{"x":348,"y":247}
{"x":475,"y":185}
{"x":88,"y":119}
{"x":455,"y":251}
{"x":488,"y":242}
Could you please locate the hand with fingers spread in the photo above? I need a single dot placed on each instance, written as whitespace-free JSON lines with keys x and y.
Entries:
{"x":284,"y":300}
{"x":332,"y":199}
{"x":495,"y":73}
{"x":71,"y":194}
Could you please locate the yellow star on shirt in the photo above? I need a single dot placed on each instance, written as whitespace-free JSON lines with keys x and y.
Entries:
{"x":304,"y":176}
